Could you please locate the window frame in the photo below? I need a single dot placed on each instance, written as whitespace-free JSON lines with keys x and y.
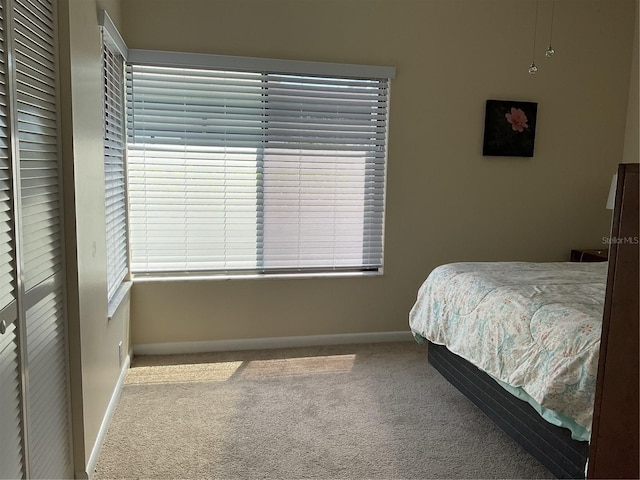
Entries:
{"x":118,"y":279}
{"x":260,"y":65}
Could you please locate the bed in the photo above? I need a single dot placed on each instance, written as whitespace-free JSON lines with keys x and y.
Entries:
{"x":523,"y":341}
{"x":532,"y":328}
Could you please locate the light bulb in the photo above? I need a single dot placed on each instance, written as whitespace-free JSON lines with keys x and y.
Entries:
{"x":550,"y":52}
{"x":533,"y":69}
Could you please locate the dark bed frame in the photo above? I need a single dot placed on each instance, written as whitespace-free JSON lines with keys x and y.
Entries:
{"x":613,"y":451}
{"x":551,"y":445}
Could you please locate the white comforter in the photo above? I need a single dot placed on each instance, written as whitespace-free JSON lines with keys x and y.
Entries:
{"x":535,"y":326}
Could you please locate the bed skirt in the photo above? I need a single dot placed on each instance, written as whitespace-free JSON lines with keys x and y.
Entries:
{"x":551,"y":445}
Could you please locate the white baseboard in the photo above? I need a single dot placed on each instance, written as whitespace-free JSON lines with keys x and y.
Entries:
{"x":106,"y":421}
{"x":268,"y":343}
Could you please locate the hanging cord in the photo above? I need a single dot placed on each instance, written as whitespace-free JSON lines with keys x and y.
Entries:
{"x":533,"y":69}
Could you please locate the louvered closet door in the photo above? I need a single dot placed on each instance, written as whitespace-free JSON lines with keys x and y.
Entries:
{"x":11,"y":449}
{"x":11,"y":453}
{"x":40,"y":228}
{"x":11,"y":457}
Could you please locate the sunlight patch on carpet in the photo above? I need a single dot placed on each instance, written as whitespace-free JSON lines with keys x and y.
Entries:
{"x":185,"y":373}
{"x":287,"y":367}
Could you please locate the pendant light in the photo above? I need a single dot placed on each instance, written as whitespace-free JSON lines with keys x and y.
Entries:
{"x":550,"y":51}
{"x":532,"y":68}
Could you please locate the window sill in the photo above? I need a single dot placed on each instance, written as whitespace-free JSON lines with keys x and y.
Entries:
{"x":118,"y":297}
{"x":148,"y":278}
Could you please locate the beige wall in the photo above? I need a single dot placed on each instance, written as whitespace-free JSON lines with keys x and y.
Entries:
{"x":445,"y":202}
{"x":631,"y":141}
{"x":95,"y":363}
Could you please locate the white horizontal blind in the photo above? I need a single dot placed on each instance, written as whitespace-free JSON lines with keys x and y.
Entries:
{"x":114,"y":168}
{"x":323,"y":170}
{"x":194,"y":138}
{"x":240,"y":170}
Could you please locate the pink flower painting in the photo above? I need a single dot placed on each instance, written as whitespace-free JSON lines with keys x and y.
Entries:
{"x":509,"y":128}
{"x":517,"y":119}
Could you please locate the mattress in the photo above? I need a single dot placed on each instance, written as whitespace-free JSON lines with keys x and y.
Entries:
{"x":534,"y":327}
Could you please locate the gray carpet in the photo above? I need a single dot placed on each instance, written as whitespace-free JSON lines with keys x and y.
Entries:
{"x":342,"y":412}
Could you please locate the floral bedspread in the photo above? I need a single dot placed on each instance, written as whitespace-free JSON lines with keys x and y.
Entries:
{"x":531,"y":325}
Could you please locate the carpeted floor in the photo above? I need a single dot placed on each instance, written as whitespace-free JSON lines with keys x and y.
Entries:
{"x":343,"y":412}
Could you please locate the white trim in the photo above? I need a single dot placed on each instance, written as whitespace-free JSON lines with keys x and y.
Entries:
{"x":118,"y":298}
{"x":114,"y":38}
{"x":269,"y":343}
{"x":161,"y":58}
{"x":106,"y":421}
{"x":186,"y":277}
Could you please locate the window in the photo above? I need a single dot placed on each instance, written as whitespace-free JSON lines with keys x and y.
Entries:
{"x":114,"y":159}
{"x":241,"y":168}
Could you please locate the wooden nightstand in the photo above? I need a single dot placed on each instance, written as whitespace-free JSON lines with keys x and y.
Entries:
{"x":589,"y":255}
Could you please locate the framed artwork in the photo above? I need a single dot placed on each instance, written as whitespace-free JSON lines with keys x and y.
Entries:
{"x":509,"y":128}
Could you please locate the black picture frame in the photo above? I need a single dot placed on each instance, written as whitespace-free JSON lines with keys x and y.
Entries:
{"x":509,"y":128}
